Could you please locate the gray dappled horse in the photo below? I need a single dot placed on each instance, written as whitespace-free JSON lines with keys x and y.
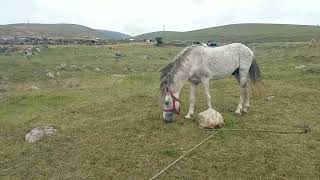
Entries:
{"x":200,"y":64}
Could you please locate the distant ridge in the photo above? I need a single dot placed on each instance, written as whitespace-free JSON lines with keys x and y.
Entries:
{"x":69,"y":31}
{"x":112,"y":34}
{"x":247,"y":33}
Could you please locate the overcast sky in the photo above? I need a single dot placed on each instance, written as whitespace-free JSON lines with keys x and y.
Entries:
{"x":140,"y":16}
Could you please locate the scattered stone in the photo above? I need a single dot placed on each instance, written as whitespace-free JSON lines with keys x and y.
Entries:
{"x":210,"y":119}
{"x":147,"y":57}
{"x":50,"y":75}
{"x":38,"y":133}
{"x":62,"y":66}
{"x":98,"y":69}
{"x":269,"y":98}
{"x":57,"y":73}
{"x":125,"y":69}
{"x":313,"y":43}
{"x":118,"y":75}
{"x":300,"y":67}
{"x":34,"y":88}
{"x":73,"y":66}
{"x":30,"y":51}
{"x":119,"y":55}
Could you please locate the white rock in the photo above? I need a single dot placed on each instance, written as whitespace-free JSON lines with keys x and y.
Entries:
{"x":38,"y":133}
{"x":73,"y":66}
{"x":98,"y":69}
{"x":210,"y":119}
{"x":269,"y":98}
{"x":34,"y":88}
{"x":50,"y":75}
{"x":300,"y":67}
{"x":146,"y":57}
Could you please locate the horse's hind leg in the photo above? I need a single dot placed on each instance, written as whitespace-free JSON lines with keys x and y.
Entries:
{"x":244,"y":96}
{"x":246,"y":99}
{"x":192,"y":99}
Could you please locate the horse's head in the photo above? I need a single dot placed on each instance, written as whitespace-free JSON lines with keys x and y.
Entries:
{"x":171,"y":106}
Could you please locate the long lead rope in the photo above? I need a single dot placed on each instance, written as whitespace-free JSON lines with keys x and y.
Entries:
{"x":305,"y":130}
{"x":177,"y":160}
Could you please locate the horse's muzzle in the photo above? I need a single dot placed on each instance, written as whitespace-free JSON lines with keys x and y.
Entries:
{"x":168,"y":117}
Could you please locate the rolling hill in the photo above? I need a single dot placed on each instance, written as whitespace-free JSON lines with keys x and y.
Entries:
{"x":68,"y":31}
{"x":246,"y":33}
{"x":105,"y":34}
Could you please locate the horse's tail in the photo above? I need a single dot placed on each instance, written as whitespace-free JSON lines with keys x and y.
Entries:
{"x":255,"y":76}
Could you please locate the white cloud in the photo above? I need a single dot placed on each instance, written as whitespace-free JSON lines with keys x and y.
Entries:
{"x":141,"y":16}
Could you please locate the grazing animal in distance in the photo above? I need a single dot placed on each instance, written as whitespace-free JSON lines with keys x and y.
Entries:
{"x":211,"y":44}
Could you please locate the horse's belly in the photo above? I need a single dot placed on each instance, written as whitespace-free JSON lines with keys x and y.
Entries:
{"x":221,"y":69}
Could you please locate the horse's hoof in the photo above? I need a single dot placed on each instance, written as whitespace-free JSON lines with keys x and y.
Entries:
{"x":237,"y":113}
{"x":245,"y":110}
{"x":187,"y":116}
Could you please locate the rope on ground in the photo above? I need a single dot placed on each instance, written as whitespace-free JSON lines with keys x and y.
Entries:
{"x":177,"y":160}
{"x":305,"y":129}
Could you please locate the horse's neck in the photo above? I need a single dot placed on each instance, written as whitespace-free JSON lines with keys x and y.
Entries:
{"x":179,"y":79}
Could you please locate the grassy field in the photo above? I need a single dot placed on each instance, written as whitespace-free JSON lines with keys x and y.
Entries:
{"x":110,"y":123}
{"x":245,"y":33}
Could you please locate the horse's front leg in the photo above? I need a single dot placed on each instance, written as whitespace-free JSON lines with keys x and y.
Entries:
{"x":206,"y":82}
{"x":192,"y":99}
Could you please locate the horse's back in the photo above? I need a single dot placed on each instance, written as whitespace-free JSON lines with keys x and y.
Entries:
{"x":222,"y":61}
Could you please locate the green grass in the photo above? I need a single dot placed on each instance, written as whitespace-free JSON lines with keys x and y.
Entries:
{"x":110,"y":123}
{"x":245,"y":33}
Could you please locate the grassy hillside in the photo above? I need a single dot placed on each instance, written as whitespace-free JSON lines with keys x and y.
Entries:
{"x":112,"y":34}
{"x":244,"y":33}
{"x":56,"y":31}
{"x":109,"y":120}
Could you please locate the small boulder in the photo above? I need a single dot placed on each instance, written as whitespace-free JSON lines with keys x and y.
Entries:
{"x":34,"y":88}
{"x":98,"y":69}
{"x":210,"y":119}
{"x":146,"y":57}
{"x":269,"y":98}
{"x":50,"y":75}
{"x":62,"y":66}
{"x":300,"y":67}
{"x":38,"y":133}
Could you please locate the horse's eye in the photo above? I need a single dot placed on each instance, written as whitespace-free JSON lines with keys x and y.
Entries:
{"x":166,"y":103}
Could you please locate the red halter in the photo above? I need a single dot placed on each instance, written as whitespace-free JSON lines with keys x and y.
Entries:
{"x":175,"y":99}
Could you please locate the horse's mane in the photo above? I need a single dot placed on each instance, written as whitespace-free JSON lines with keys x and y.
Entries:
{"x":167,"y":73}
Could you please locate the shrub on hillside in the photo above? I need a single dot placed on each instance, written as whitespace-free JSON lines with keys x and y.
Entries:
{"x":159,"y":41}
